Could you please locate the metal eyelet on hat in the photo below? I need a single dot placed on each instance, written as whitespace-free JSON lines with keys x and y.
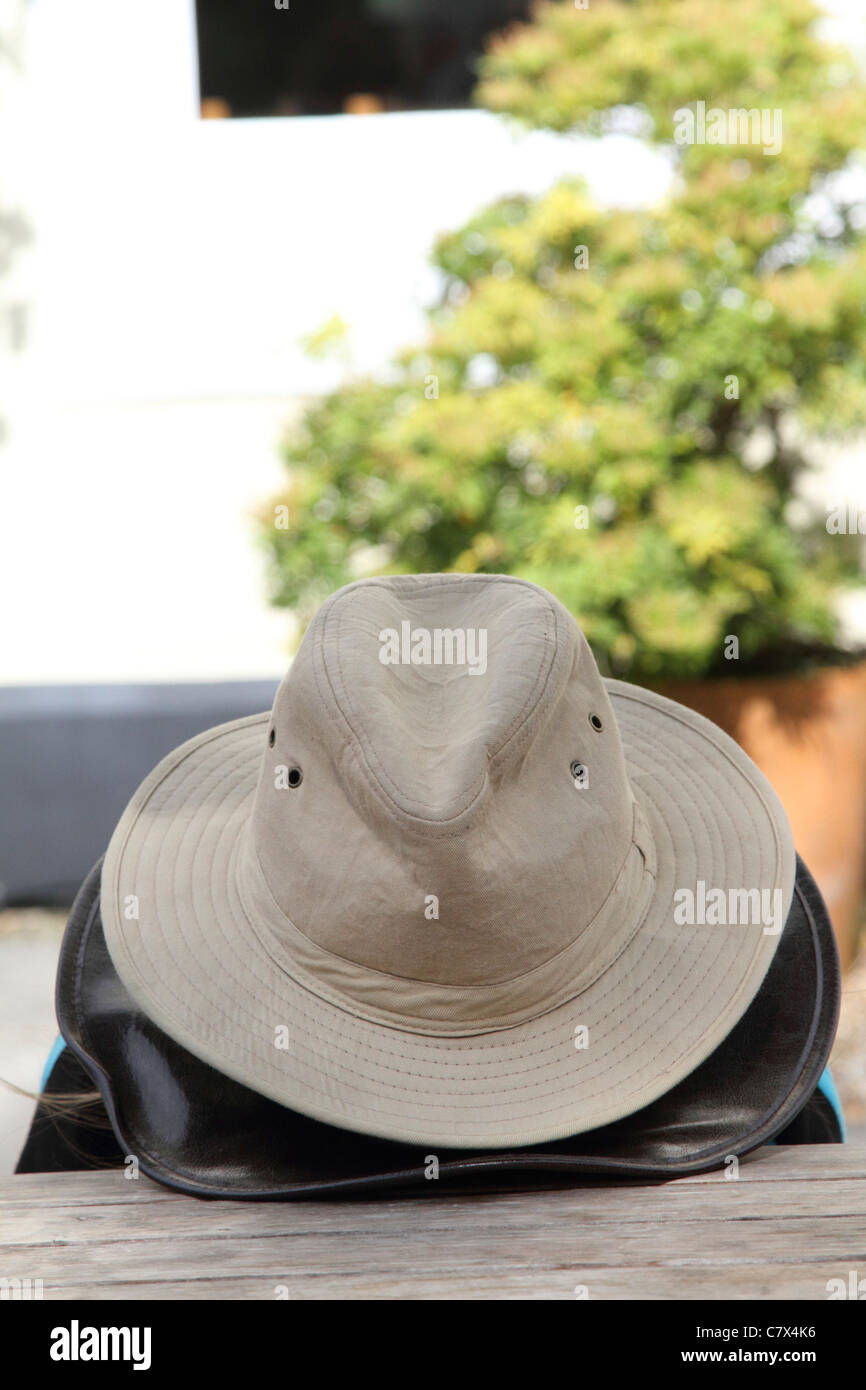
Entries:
{"x":272,"y":738}
{"x":596,"y":723}
{"x":295,"y":777}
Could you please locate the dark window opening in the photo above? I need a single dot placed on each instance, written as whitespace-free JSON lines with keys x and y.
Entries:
{"x":320,"y":57}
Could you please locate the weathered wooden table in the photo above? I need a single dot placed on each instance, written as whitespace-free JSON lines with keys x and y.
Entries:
{"x":794,"y":1219}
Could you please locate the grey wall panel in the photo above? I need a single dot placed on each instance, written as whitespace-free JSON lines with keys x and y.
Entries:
{"x":71,"y":757}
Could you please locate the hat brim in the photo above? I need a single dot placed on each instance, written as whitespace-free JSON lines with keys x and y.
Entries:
{"x":195,"y":965}
{"x":198,"y":1131}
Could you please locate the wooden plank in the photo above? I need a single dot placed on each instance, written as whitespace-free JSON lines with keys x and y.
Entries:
{"x":752,"y":1283}
{"x":820,"y":1162}
{"x":91,"y":1187}
{"x":400,"y":1253}
{"x":794,"y":1219}
{"x":686,"y":1267}
{"x":823,"y":1162}
{"x":516,"y":1215}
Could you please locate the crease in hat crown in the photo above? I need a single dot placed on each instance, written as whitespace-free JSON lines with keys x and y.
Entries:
{"x":423,"y":783}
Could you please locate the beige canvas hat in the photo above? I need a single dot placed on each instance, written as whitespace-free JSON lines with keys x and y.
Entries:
{"x":455,"y":888}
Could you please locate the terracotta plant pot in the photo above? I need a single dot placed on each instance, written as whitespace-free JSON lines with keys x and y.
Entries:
{"x":808,"y":736}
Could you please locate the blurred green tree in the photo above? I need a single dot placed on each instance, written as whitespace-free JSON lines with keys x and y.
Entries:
{"x":619,"y":405}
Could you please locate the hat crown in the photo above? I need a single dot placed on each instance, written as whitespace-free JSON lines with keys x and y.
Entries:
{"x":439,"y":834}
{"x":434,"y":682}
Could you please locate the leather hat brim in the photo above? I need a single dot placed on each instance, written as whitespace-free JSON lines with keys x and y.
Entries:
{"x":198,"y":1131}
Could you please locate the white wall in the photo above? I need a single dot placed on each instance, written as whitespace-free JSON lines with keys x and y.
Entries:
{"x":177,"y":265}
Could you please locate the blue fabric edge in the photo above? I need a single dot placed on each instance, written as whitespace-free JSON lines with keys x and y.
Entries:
{"x":827,"y":1087}
{"x":55,"y":1052}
